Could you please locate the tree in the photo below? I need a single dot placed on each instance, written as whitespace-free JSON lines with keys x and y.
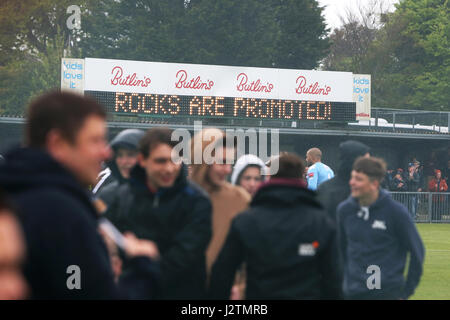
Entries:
{"x":302,"y":39}
{"x":231,"y":32}
{"x":350,"y":43}
{"x":224,"y":32}
{"x":412,"y":57}
{"x":407,"y":55}
{"x":149,"y":30}
{"x":33,"y":36}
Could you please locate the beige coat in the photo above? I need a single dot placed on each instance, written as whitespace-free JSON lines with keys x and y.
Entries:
{"x":227,"y":200}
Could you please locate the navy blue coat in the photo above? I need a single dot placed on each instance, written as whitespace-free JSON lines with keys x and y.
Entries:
{"x":60,"y":227}
{"x":382,"y":237}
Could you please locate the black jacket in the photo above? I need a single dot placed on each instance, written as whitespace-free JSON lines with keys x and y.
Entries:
{"x":334,"y":191}
{"x":178,"y":219}
{"x":287,"y":243}
{"x":60,"y":227}
{"x":395,"y":185}
{"x":413,"y":183}
{"x":110,"y":178}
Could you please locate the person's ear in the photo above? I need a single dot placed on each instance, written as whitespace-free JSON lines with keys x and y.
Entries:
{"x":141,"y":160}
{"x":375,"y":183}
{"x":56,"y":145}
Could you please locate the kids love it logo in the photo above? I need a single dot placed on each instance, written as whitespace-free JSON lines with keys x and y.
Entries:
{"x":132,"y":80}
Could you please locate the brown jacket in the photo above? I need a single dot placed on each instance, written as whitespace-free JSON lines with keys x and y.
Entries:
{"x":227,"y":200}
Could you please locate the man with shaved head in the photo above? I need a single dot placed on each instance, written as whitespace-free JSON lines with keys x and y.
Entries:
{"x":317,"y":171}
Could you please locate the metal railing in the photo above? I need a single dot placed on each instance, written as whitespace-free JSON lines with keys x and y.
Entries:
{"x":400,"y":119}
{"x":431,"y":207}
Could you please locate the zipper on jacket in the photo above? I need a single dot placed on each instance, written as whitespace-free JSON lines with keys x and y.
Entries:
{"x":156,"y":201}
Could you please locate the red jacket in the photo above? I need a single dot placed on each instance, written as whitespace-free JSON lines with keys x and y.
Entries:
{"x":435,"y":186}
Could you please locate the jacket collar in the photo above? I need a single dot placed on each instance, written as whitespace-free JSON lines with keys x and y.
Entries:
{"x":295,"y":183}
{"x":30,"y":168}
{"x":138,"y":181}
{"x":285,"y":191}
{"x":383,"y":194}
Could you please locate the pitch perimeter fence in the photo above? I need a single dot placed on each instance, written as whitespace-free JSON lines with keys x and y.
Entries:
{"x":432,"y":207}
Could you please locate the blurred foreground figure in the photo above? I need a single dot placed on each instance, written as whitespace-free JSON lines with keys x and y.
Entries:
{"x":318,"y":172}
{"x":249,"y":172}
{"x":161,"y":205}
{"x":125,"y":148}
{"x":12,"y":253}
{"x":48,"y":180}
{"x":337,"y":189}
{"x":227,"y":200}
{"x":286,"y":240}
{"x":376,"y":234}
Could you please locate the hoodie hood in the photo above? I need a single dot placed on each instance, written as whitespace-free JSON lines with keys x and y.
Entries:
{"x":365,"y":213}
{"x":28,"y":168}
{"x":126,"y":139}
{"x":349,"y":151}
{"x":243,"y":162}
{"x":285,"y":191}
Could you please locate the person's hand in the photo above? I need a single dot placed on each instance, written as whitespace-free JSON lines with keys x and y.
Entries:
{"x":116,"y":266}
{"x":116,"y":262}
{"x":100,"y":206}
{"x":13,"y":285}
{"x":137,"y":247}
{"x":235,"y":293}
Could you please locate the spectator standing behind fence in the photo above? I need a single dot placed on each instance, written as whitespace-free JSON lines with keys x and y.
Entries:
{"x":438,"y":184}
{"x":162,"y":205}
{"x":429,"y":166}
{"x":125,"y":148}
{"x":446,"y":173}
{"x":398,"y":183}
{"x":286,"y":241}
{"x":413,"y":185}
{"x":387,"y":181}
{"x":227,"y":200}
{"x":376,"y":234}
{"x":317,"y":171}
{"x":419,"y":170}
{"x":48,"y":180}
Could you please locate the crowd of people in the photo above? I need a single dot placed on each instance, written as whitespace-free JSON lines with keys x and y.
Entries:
{"x":431,"y":177}
{"x":204,"y":230}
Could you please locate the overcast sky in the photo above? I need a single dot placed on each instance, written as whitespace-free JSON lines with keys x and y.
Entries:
{"x":334,"y":8}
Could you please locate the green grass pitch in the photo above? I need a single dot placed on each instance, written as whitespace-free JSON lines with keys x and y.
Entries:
{"x":435,"y":282}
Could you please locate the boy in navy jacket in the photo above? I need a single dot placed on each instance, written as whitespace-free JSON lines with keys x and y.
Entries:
{"x":376,"y":234}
